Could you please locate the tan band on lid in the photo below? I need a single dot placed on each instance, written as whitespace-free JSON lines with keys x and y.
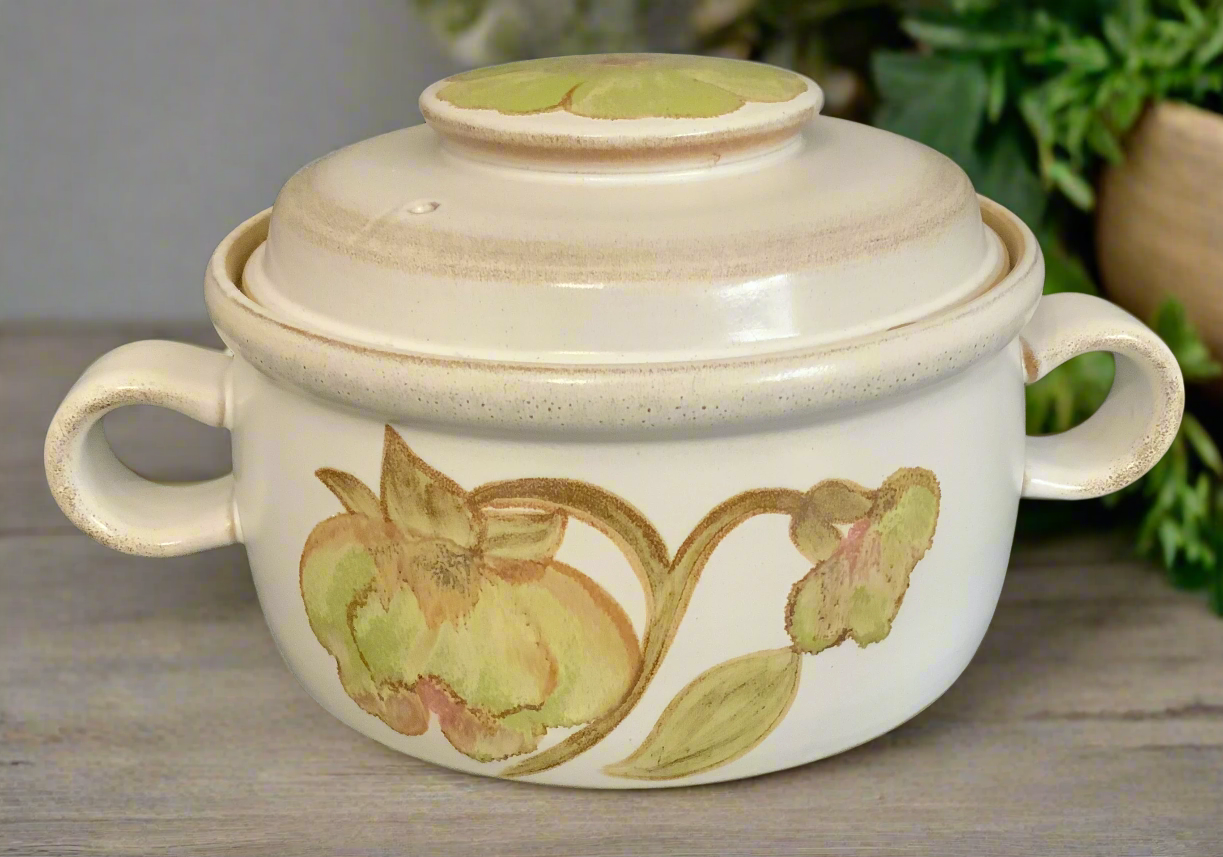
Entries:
{"x":621,"y":112}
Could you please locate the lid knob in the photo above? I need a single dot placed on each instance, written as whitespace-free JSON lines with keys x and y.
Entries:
{"x":620,"y":112}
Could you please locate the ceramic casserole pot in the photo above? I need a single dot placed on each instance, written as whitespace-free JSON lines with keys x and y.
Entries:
{"x":628,"y":424}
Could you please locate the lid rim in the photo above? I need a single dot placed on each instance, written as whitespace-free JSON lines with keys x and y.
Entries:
{"x":552,"y":127}
{"x":599,"y":221}
{"x":414,"y":248}
{"x":616,"y":398}
{"x":583,"y":154}
{"x":259,"y":287}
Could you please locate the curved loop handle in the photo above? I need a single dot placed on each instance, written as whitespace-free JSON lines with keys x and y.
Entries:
{"x":106,"y":499}
{"x":1137,"y":422}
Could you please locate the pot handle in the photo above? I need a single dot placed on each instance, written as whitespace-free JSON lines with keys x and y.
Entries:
{"x":1138,"y":420}
{"x":99,"y":494}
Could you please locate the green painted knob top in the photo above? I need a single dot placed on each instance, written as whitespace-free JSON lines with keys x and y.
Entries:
{"x":621,"y":110}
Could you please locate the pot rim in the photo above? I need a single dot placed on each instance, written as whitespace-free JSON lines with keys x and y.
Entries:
{"x":625,"y":398}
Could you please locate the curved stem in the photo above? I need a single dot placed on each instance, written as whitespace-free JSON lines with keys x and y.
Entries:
{"x":696,"y":550}
{"x":669,"y":585}
{"x":627,"y":528}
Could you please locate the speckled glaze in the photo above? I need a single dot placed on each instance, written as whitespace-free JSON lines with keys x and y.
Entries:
{"x":622,"y":443}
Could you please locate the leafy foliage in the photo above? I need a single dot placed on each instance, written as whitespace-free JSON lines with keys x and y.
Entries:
{"x":1030,"y":98}
{"x":1182,"y":496}
{"x":1075,"y":74}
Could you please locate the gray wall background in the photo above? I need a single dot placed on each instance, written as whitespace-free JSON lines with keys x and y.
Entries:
{"x":134,"y":134}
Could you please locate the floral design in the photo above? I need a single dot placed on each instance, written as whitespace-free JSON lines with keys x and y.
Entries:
{"x":436,"y":602}
{"x":432,"y":605}
{"x":864,"y":545}
{"x":622,"y":86}
{"x":855,"y":589}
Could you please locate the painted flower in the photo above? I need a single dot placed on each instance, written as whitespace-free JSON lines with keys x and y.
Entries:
{"x":433,"y":606}
{"x":622,"y":86}
{"x":860,"y":577}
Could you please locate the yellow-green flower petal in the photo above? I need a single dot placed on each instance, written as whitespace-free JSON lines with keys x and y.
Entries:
{"x":475,"y":733}
{"x":856,"y":592}
{"x":838,"y":501}
{"x":496,"y":659}
{"x":909,"y":502}
{"x":749,"y":81}
{"x":353,"y":494}
{"x":422,"y":501}
{"x":815,"y":539}
{"x":559,"y":645}
{"x":519,"y":92}
{"x":493,"y":661}
{"x":622,"y":86}
{"x":444,"y":577}
{"x":397,"y":707}
{"x":833,"y":501}
{"x":869,"y":614}
{"x":429,"y":607}
{"x":649,"y":92}
{"x":589,"y":638}
{"x":818,"y":608}
{"x":541,"y":66}
{"x":338,"y":564}
{"x":394,"y":641}
{"x":522,"y":535}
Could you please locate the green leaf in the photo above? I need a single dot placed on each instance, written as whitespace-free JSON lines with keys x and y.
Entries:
{"x":1174,"y":42}
{"x":1076,"y":188}
{"x":1072,"y":392}
{"x":1085,"y":54}
{"x":952,"y":37}
{"x":938,"y":101}
{"x":1124,"y":107}
{"x":1188,"y":575}
{"x":1066,"y":90}
{"x":1191,"y":13}
{"x":718,"y":717}
{"x":1104,"y":143}
{"x":1116,"y":35}
{"x":995,"y":102}
{"x":1210,"y":49}
{"x":1004,"y":175}
{"x":1172,"y":324}
{"x":1034,"y":111}
{"x":1076,"y":119}
{"x":1069,"y":394}
{"x":1169,"y":540}
{"x":1064,"y":272}
{"x":1202,"y":444}
{"x":1216,"y":588}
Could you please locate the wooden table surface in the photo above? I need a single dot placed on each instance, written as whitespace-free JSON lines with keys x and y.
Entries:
{"x":1090,"y":721}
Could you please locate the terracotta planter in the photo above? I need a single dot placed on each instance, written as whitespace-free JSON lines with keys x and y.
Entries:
{"x":1160,"y":221}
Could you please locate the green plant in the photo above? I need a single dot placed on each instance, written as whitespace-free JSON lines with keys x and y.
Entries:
{"x":1075,"y":74}
{"x":1182,"y":496}
{"x":1031,"y":98}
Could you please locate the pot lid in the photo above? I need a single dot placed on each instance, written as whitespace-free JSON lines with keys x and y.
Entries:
{"x":622,"y":208}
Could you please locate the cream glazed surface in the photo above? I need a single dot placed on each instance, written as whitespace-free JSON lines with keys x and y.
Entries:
{"x":574,"y":444}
